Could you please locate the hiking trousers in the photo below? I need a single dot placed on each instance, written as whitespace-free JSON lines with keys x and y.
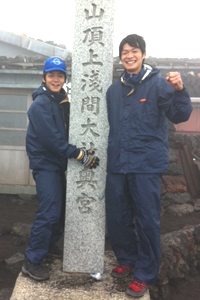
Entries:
{"x":48,"y":226}
{"x":133,"y":221}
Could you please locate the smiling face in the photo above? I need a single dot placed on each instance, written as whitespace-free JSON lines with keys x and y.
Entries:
{"x":54,"y":81}
{"x":132,"y":59}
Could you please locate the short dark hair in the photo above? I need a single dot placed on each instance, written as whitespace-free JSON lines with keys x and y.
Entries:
{"x":133,"y":40}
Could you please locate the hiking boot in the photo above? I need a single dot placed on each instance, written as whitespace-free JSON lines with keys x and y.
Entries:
{"x":35,"y":271}
{"x":55,"y":252}
{"x":121,"y":271}
{"x":137,"y":288}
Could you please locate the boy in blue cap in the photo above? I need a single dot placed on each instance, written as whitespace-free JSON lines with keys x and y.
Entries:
{"x":48,"y":150}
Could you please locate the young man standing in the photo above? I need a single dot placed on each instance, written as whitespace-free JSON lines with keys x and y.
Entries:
{"x":48,"y":150}
{"x":139,"y":104}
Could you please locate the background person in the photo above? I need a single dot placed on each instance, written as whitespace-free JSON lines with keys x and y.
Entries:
{"x":48,"y":150}
{"x":138,"y":105}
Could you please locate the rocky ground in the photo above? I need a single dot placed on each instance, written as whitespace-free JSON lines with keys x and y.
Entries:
{"x":16,"y":209}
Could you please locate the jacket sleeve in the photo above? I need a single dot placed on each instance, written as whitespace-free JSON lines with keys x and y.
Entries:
{"x":176,"y":104}
{"x":44,"y":126}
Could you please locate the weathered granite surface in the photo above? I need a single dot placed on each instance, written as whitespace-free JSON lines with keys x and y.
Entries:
{"x":73,"y":286}
{"x":92,"y":65}
{"x":180,"y":259}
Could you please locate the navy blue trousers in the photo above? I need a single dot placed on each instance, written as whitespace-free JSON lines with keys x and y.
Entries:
{"x":48,"y":226}
{"x":133,"y":222}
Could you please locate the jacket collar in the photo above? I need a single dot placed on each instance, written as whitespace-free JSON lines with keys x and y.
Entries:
{"x":136,"y":78}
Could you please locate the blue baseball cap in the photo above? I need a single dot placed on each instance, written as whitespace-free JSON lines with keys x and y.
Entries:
{"x":54,"y":64}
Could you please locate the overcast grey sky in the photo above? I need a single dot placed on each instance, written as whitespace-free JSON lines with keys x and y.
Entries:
{"x":170,"y":28}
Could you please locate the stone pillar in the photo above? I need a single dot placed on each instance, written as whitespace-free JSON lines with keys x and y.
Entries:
{"x":92,"y":69}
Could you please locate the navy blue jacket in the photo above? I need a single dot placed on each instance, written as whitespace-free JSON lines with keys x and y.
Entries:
{"x":138,"y":109}
{"x":46,"y":138}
